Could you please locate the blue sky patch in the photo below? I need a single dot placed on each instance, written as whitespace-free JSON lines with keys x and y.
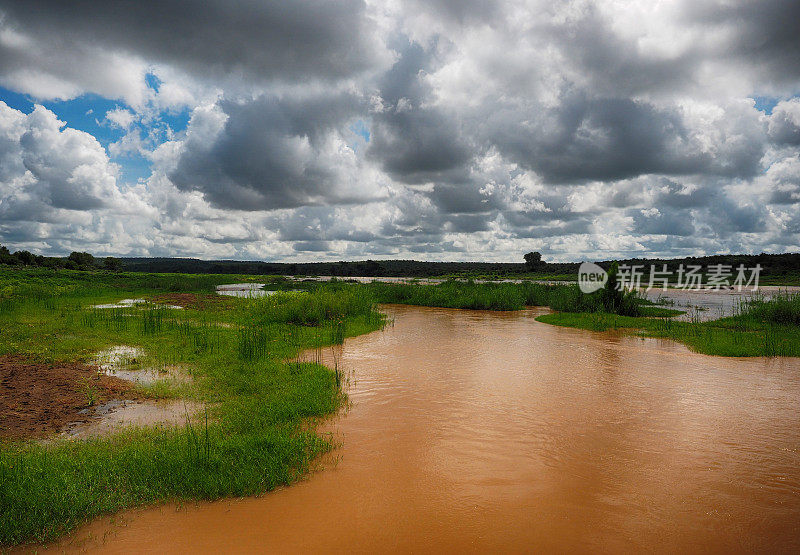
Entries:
{"x":766,"y":103}
{"x":87,"y":113}
{"x":360,"y":128}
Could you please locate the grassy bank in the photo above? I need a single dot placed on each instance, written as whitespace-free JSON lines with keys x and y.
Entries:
{"x":494,"y":296}
{"x":759,"y":328}
{"x":255,"y":435}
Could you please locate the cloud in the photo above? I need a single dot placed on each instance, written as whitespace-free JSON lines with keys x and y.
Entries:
{"x":47,"y":166}
{"x":52,"y":49}
{"x":783,"y":181}
{"x":272,"y":153}
{"x":474,"y":129}
{"x":784,"y":123}
{"x":761,"y":34}
{"x":411,"y":141}
{"x":120,"y":117}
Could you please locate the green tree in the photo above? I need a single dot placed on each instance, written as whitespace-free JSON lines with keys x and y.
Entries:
{"x":26,"y":258}
{"x":112,"y":264}
{"x":612,"y":294}
{"x":6,"y":257}
{"x":83,"y":260}
{"x":533,"y":260}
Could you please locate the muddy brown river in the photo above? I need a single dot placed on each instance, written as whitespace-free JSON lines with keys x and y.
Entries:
{"x":485,"y":431}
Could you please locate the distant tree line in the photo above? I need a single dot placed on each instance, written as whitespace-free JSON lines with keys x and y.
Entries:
{"x":771,"y":264}
{"x":75,"y":261}
{"x":374,"y":268}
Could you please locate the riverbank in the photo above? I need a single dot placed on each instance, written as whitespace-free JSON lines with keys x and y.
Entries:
{"x":726,"y":337}
{"x":758,"y":327}
{"x":255,"y":432}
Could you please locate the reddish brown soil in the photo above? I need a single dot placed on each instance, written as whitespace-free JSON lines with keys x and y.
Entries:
{"x":193,"y":300}
{"x":38,"y":399}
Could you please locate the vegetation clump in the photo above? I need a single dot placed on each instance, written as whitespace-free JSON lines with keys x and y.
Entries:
{"x":781,"y":309}
{"x":508,"y":296}
{"x":453,"y":294}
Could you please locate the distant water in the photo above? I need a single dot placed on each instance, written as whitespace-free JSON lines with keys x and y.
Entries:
{"x":243,"y":290}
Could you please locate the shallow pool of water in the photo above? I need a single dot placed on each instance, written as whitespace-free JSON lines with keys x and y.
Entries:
{"x":484,"y":431}
{"x":711,"y":304}
{"x":243,"y":290}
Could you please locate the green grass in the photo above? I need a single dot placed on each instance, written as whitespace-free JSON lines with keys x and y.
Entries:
{"x":453,"y":294}
{"x":759,"y":328}
{"x":495,"y":296}
{"x":781,"y":309}
{"x":240,"y":354}
{"x":780,"y":279}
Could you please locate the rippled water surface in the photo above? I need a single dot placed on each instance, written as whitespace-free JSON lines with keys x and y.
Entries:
{"x":485,"y":431}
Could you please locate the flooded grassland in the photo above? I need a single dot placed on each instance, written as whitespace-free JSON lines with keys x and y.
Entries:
{"x":460,"y":430}
{"x":486,"y":431}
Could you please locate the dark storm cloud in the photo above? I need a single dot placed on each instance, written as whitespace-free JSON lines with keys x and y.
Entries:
{"x":727,"y":217}
{"x":418,"y":146}
{"x":764,"y":33}
{"x":678,"y":223}
{"x":453,"y":199}
{"x":469,"y":223}
{"x":557,"y":229}
{"x":624,"y":194}
{"x":610,"y":139}
{"x":784,"y":182}
{"x":264,"y":39}
{"x":557,"y":212}
{"x":412,"y":142}
{"x":461,"y":11}
{"x":401,"y":81}
{"x":612,"y":64}
{"x":558,"y":221}
{"x":787,"y":194}
{"x":760,"y":37}
{"x":269,"y":154}
{"x":675,"y":195}
{"x":311,"y":246}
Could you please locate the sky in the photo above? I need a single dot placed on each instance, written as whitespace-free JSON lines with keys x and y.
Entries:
{"x":433,"y":130}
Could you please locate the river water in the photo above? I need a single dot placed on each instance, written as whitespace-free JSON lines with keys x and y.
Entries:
{"x":486,"y":431}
